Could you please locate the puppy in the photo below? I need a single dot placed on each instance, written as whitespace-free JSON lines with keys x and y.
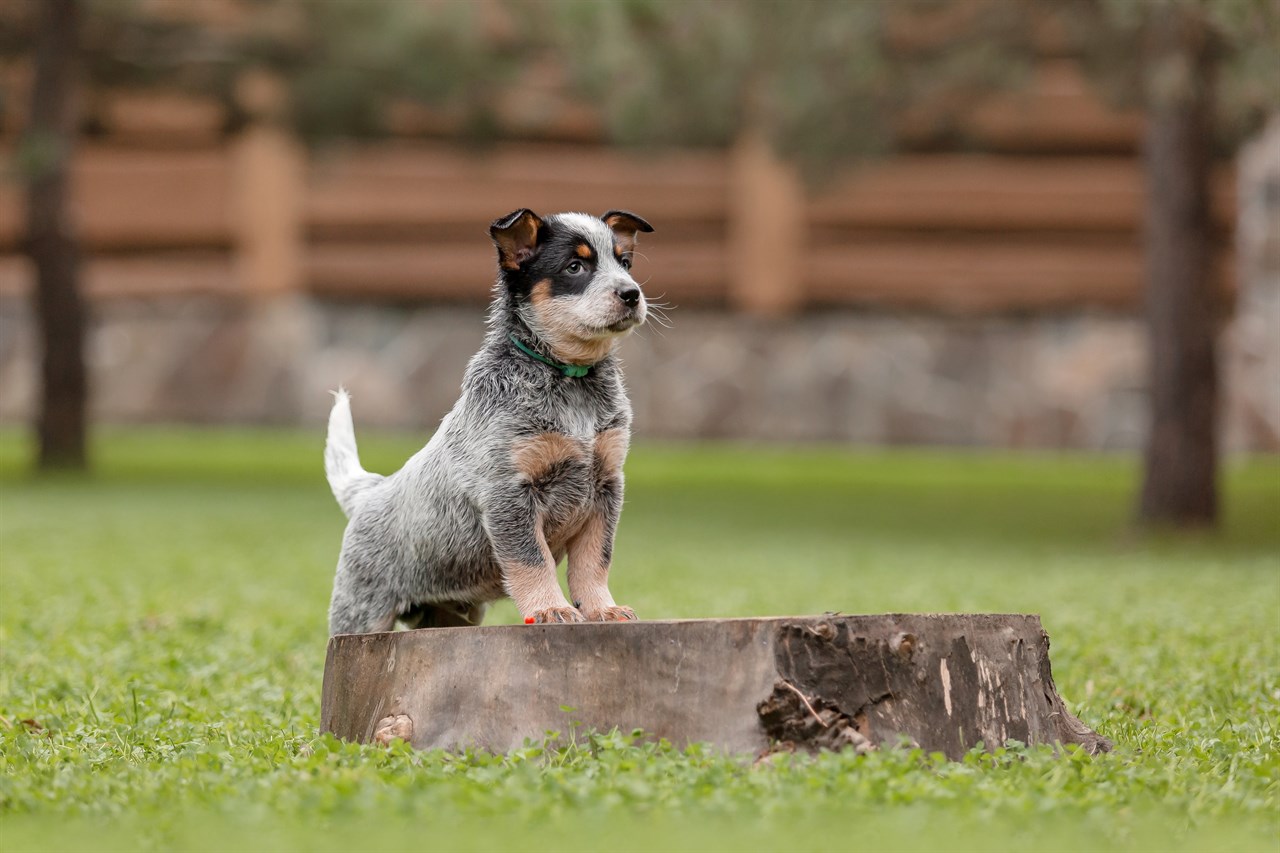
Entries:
{"x":527,"y":467}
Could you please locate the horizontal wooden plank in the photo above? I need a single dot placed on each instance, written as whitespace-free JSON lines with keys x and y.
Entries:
{"x":137,"y":198}
{"x":984,"y":192}
{"x":1060,"y":110}
{"x":975,"y":277}
{"x":167,"y":118}
{"x":135,"y":277}
{"x":360,"y":208}
{"x":682,"y":274}
{"x":686,"y":275}
{"x":1056,"y":111}
{"x":581,"y":164}
{"x":435,"y":185}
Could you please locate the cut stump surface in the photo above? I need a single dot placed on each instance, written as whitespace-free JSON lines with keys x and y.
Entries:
{"x":946,"y":683}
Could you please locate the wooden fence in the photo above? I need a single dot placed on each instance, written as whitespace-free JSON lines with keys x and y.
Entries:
{"x":258,"y":215}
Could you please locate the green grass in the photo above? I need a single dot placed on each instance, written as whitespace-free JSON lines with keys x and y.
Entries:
{"x":163,"y":621}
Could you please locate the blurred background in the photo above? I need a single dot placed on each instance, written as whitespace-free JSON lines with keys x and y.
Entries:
{"x":1036,"y":241}
{"x":983,"y":223}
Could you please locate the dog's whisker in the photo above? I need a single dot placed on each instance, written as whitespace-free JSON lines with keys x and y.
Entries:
{"x":644,"y":330}
{"x":659,"y":301}
{"x":660,"y":317}
{"x":660,"y":310}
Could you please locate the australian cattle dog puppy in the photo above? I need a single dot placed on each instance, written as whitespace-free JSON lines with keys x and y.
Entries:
{"x":527,"y":467}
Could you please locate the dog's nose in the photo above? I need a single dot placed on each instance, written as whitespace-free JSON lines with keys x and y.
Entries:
{"x":630,"y":296}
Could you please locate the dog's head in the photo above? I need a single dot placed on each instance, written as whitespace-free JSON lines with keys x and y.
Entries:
{"x":569,"y":278}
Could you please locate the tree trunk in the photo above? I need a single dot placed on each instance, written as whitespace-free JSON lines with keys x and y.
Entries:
{"x":51,"y":240}
{"x":945,"y":682}
{"x":1180,"y":479}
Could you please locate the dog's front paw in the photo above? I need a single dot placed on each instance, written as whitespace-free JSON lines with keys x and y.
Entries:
{"x":557,"y":615}
{"x":612,"y":614}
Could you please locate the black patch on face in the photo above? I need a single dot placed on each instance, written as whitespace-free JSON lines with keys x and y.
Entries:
{"x":556,"y":261}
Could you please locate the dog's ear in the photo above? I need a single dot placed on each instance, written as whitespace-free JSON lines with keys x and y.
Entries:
{"x":516,"y":236}
{"x":625,"y":226}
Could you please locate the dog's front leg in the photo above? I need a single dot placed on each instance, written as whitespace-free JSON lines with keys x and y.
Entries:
{"x":528,"y":569}
{"x":590,"y":552}
{"x":589,"y":557}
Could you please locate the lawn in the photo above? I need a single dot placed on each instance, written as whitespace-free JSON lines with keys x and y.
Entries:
{"x":162,"y":636}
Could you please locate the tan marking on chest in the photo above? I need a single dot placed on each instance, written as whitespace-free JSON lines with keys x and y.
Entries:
{"x":535,"y":456}
{"x":611,"y":450}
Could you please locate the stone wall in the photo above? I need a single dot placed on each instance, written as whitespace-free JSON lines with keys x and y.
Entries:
{"x":1055,"y":381}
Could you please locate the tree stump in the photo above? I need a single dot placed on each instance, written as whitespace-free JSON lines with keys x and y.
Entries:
{"x":945,"y":683}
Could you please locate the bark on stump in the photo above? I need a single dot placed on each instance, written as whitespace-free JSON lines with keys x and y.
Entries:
{"x":943,"y":682}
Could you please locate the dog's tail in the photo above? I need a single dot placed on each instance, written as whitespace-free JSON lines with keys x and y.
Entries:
{"x":341,"y":459}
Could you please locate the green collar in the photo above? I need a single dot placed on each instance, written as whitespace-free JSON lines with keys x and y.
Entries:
{"x":574,"y":371}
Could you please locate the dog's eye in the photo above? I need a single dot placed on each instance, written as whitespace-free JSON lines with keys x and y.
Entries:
{"x":626,"y":263}
{"x":575,"y":268}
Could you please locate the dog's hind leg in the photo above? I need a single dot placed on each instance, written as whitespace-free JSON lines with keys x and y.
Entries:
{"x":450,"y":614}
{"x":348,"y":617}
{"x":359,"y":608}
{"x":344,"y":619}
